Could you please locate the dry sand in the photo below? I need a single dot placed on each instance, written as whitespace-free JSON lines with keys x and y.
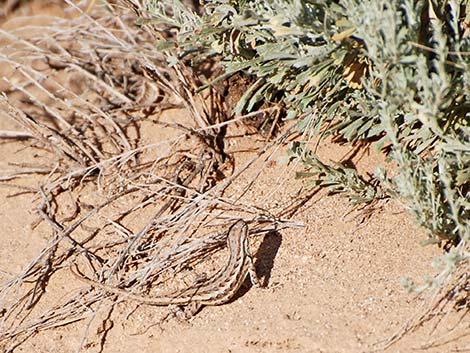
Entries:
{"x":332,"y":286}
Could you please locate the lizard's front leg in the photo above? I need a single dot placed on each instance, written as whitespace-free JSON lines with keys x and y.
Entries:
{"x":186,"y":312}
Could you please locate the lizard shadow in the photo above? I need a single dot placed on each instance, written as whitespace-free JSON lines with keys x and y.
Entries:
{"x":265,"y":256}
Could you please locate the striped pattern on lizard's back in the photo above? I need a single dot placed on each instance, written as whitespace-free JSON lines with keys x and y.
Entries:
{"x":216,"y":291}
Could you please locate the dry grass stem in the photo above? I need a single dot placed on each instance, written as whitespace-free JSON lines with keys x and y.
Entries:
{"x":131,"y":214}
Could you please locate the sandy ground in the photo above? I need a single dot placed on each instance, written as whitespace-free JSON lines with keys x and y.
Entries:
{"x":331,"y":286}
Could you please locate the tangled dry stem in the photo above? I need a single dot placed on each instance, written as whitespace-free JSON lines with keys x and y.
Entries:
{"x":80,"y":90}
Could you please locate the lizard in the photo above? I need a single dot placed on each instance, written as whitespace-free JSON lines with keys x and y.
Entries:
{"x":218,"y":290}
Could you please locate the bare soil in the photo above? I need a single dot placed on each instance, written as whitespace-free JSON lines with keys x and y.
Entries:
{"x":332,"y":285}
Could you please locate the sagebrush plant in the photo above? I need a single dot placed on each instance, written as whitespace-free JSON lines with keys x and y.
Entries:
{"x":422,"y":101}
{"x":392,"y":73}
{"x":339,"y":179}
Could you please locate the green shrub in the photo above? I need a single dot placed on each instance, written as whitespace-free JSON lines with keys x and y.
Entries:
{"x":393,"y":74}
